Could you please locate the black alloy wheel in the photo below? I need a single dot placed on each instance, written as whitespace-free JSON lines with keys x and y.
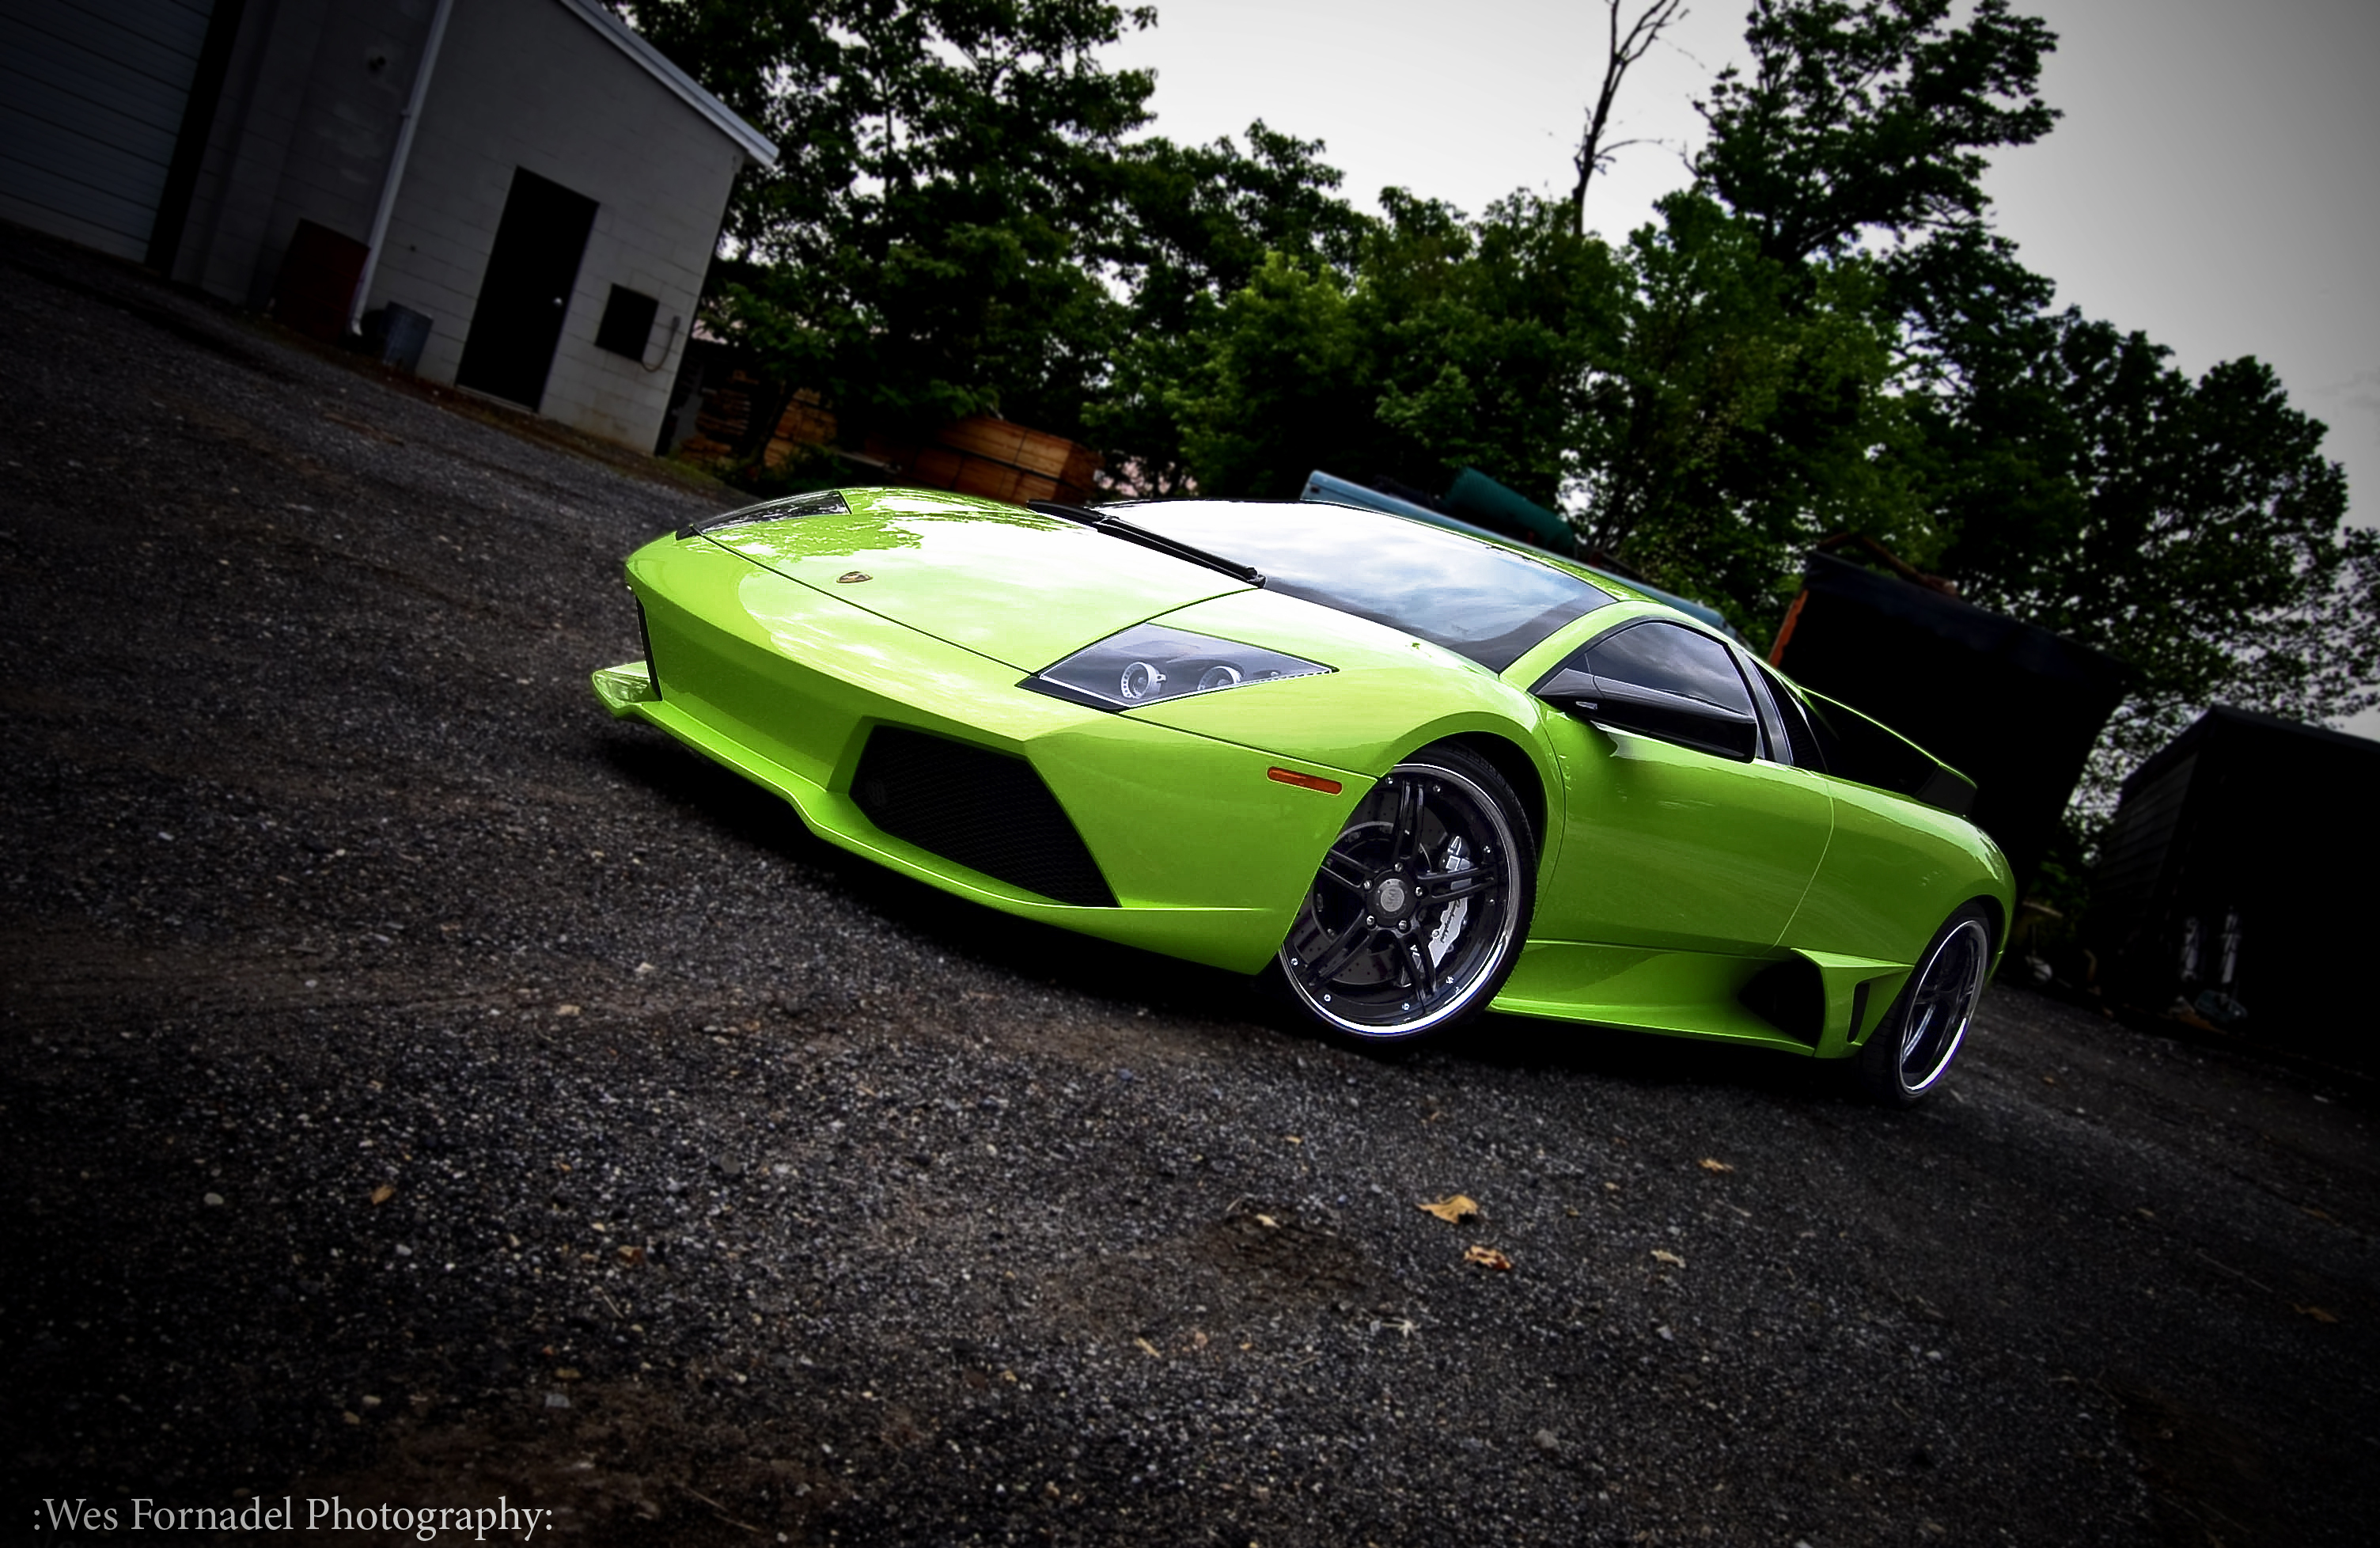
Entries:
{"x":1420,"y":905}
{"x":1910,"y":1051}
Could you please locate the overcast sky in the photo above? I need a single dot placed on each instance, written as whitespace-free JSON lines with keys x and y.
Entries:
{"x":2214,"y":183}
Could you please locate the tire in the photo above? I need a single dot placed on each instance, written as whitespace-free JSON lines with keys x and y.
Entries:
{"x":1910,"y":1050}
{"x":1420,"y":905}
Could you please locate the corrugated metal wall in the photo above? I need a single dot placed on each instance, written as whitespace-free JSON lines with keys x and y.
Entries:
{"x":92,"y":96}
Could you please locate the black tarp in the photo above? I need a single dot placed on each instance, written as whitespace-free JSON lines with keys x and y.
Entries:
{"x":2243,"y":861}
{"x":2012,"y":707}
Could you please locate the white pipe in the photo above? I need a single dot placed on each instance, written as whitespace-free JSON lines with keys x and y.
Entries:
{"x":389,"y":185}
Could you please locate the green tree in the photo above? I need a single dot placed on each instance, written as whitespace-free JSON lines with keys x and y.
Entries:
{"x":1877,"y":116}
{"x":1490,"y":331}
{"x":1283,"y":379}
{"x":2192,"y":528}
{"x":928,"y":246}
{"x":1742,"y":413}
{"x":1451,"y":342}
{"x":1762,"y":394}
{"x":2065,"y":473}
{"x":1196,"y":224}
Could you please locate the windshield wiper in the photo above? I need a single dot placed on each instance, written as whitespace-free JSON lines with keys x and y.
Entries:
{"x":1117,"y":527}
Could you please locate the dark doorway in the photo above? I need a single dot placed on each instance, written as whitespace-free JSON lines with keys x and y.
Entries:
{"x":526,"y":291}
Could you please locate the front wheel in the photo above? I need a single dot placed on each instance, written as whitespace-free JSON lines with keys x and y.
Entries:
{"x":1911,"y":1050}
{"x":1421,"y":903}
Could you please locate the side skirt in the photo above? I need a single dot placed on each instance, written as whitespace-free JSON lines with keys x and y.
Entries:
{"x":1706,"y":994}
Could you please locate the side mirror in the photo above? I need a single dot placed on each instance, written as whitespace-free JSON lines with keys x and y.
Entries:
{"x":1649,"y":712}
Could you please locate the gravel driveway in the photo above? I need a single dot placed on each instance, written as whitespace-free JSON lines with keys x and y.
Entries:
{"x":418,"y":1089}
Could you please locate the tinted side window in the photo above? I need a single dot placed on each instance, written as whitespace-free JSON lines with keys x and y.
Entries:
{"x":1859,"y":749}
{"x":1799,"y":737}
{"x":1772,"y":725}
{"x":1658,"y":655}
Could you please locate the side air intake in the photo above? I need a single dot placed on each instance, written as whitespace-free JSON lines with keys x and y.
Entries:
{"x":986,"y":810}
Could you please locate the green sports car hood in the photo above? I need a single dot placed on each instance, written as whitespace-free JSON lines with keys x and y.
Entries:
{"x":1023,"y":589}
{"x":1030,"y":591}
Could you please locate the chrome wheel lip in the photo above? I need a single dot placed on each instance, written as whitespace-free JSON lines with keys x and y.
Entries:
{"x":1457,"y":998}
{"x":1948,"y":986}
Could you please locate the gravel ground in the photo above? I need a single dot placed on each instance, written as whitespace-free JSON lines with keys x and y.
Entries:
{"x":418,"y":1087}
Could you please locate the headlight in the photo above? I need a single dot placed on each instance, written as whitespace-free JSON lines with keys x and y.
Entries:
{"x":1148,"y":664}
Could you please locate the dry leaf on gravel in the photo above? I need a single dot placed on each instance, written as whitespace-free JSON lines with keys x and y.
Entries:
{"x":1663,"y":1255}
{"x":1487,"y":1258}
{"x":1711,"y":1165}
{"x":2316,"y":1312}
{"x":632,"y":1255}
{"x":382,"y":1194}
{"x":1453,"y":1208}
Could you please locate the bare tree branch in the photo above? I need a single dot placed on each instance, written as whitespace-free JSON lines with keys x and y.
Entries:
{"x":1621,"y":50}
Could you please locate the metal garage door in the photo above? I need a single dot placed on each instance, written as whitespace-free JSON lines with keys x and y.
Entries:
{"x":91,"y":95}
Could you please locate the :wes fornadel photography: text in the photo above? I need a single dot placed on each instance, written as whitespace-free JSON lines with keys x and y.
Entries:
{"x":428,"y":1523}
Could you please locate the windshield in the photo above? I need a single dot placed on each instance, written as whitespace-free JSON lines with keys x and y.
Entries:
{"x":1477,"y":599}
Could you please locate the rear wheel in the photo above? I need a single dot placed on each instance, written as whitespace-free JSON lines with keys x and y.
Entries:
{"x":1908,"y":1054}
{"x":1421,"y":903}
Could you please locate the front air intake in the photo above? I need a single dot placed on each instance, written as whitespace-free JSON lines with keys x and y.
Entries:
{"x":986,"y":810}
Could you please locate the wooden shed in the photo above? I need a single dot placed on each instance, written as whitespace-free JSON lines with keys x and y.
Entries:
{"x":2236,"y":879}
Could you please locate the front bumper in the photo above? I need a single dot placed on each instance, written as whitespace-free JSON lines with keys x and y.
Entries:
{"x":1207,"y":855}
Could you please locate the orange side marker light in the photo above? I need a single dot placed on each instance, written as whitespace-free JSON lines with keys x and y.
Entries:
{"x":1305,"y":781}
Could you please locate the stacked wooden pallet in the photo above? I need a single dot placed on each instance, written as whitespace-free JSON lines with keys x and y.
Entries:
{"x":993,"y":458}
{"x":980,"y":454}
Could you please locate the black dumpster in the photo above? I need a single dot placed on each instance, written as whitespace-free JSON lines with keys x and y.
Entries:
{"x":2012,"y":707}
{"x":2237,"y":879}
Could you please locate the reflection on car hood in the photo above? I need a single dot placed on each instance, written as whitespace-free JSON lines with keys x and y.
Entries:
{"x":1019,"y":587}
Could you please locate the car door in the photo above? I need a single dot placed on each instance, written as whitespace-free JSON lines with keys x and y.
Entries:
{"x":1685,"y":825}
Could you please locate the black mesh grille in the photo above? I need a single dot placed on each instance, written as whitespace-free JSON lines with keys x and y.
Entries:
{"x":988,"y":811}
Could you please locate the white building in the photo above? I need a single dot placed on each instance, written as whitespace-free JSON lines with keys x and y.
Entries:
{"x":530,"y":175}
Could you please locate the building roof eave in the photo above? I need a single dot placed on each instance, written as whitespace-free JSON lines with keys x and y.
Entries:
{"x":751,"y":142}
